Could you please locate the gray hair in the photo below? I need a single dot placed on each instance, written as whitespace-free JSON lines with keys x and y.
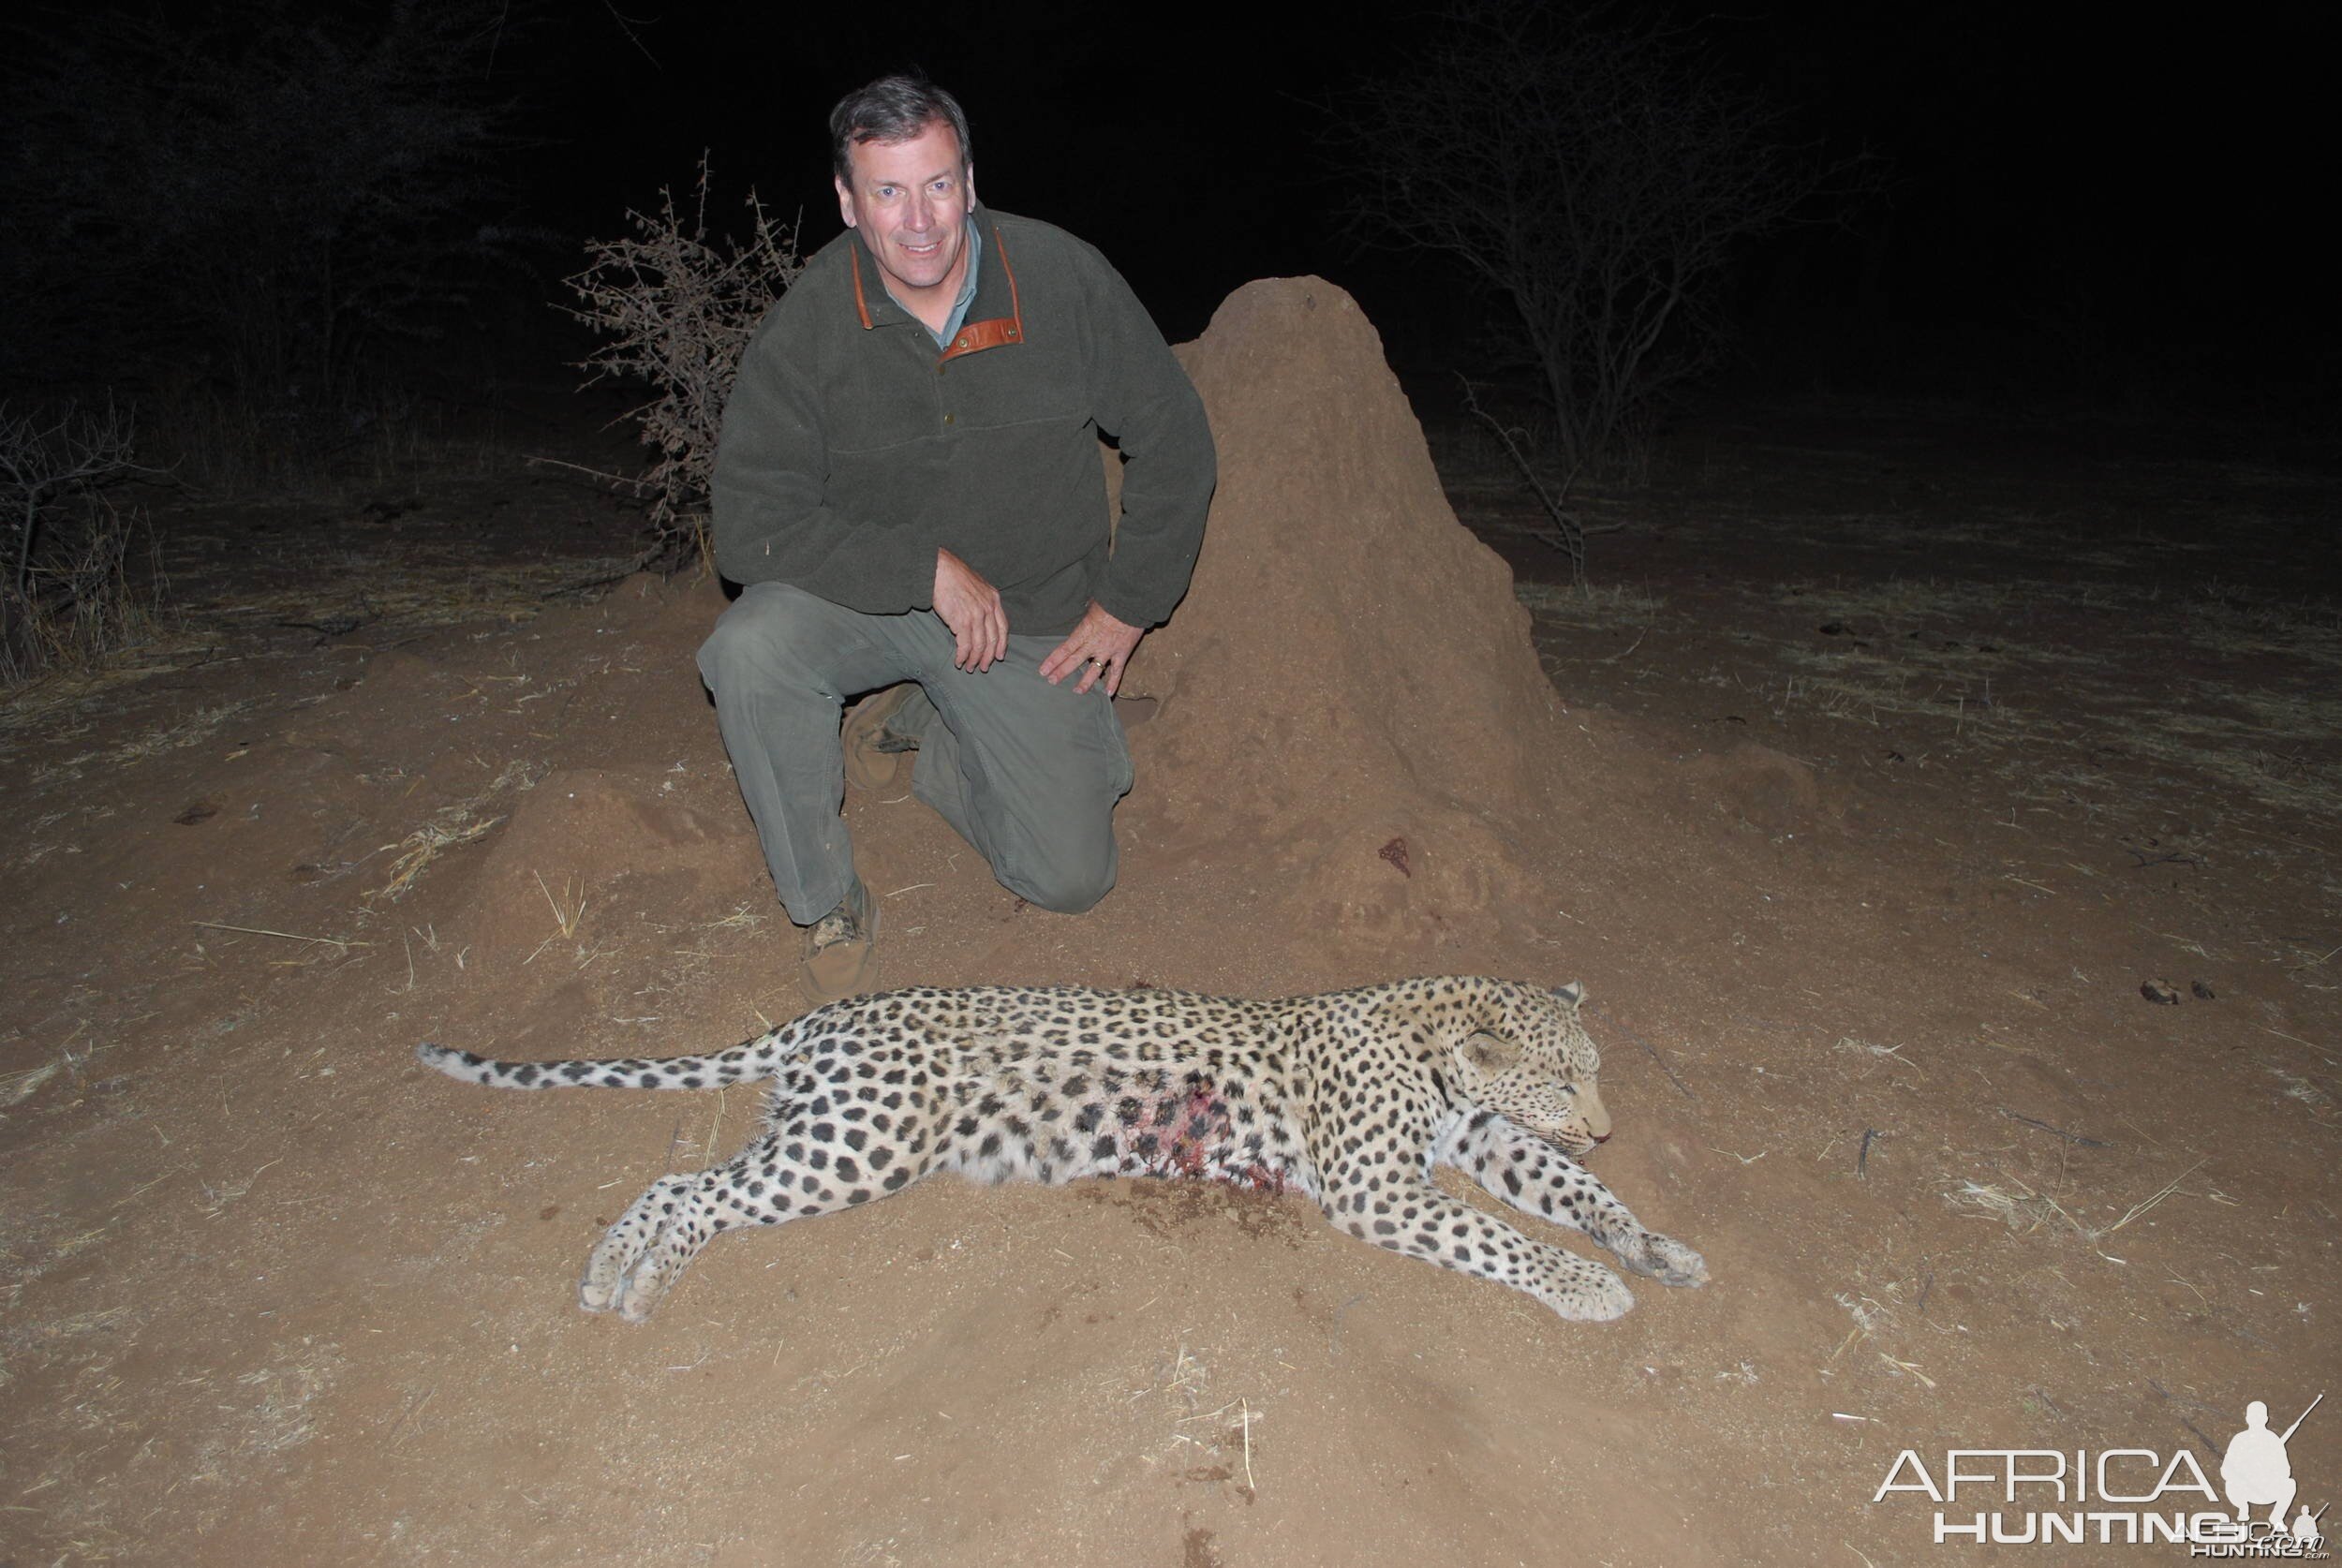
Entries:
{"x":892,"y":109}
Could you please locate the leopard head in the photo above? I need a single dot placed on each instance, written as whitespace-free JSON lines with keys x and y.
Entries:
{"x":1528,"y":1059}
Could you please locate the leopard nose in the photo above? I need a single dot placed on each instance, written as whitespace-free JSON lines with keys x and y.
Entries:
{"x":1601,"y":1137}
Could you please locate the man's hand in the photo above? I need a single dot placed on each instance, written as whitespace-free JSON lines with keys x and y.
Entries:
{"x":972,"y":608}
{"x":1099,"y":645}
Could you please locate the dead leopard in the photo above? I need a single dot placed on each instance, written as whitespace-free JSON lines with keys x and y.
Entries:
{"x":1350,"y":1097}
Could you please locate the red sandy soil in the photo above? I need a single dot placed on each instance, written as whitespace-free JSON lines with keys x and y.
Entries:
{"x":1865,"y":915}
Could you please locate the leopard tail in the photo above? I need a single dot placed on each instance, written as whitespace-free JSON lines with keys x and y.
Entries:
{"x":756,"y":1059}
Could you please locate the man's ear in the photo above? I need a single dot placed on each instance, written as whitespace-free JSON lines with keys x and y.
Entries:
{"x":1491,"y":1054}
{"x":845,"y":200}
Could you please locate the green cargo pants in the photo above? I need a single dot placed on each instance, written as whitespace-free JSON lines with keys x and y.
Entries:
{"x":1027,"y":772}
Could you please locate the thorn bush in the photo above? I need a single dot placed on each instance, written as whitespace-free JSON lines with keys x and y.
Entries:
{"x":676,"y":308}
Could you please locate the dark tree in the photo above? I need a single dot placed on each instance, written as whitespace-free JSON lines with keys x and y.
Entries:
{"x":259,"y":193}
{"x":1596,"y":171}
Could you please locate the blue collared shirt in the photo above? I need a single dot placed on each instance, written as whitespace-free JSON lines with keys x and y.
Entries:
{"x":966,"y":289}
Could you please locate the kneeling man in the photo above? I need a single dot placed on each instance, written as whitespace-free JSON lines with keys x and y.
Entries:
{"x":909,"y":488}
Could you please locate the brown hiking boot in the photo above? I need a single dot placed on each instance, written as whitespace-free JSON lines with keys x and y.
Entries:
{"x":842,"y":949}
{"x":874,"y":753}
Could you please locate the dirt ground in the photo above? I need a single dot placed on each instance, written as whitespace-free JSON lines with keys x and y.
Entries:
{"x":1939,"y":810}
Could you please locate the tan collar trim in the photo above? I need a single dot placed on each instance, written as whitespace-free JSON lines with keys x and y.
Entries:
{"x":975,"y":336}
{"x":861,"y":304}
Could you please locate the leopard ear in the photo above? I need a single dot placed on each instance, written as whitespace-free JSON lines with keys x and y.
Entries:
{"x":1491,"y":1054}
{"x":1571,"y":994}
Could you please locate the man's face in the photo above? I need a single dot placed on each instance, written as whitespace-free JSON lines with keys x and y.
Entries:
{"x":912,"y":199}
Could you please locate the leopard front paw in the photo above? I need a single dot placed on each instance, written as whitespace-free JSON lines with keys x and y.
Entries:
{"x":631,"y":1287}
{"x":1589,"y":1294}
{"x":1670,"y":1262}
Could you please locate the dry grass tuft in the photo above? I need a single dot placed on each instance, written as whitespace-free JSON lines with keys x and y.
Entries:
{"x":2026,"y":1208}
{"x":1876,"y":1309}
{"x":452,"y":825}
{"x":2016,"y":1206}
{"x":569,"y":909}
{"x":1870,"y":1051}
{"x":743,"y":919}
{"x":2303,"y":1090}
{"x":1221,"y":1437}
{"x":341,"y":945}
{"x":217,"y":1199}
{"x":17,"y":1087}
{"x":418,"y":849}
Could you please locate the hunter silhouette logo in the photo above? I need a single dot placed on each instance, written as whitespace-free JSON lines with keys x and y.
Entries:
{"x":2255,"y":1469}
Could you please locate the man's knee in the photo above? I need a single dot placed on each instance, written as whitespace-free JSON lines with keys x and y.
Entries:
{"x":1063,"y":884}
{"x":765,"y":639}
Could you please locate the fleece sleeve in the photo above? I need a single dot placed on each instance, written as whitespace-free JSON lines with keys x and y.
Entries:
{"x":1141,"y":396}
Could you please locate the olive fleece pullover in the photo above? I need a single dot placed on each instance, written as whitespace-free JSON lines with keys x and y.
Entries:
{"x":852,"y":448}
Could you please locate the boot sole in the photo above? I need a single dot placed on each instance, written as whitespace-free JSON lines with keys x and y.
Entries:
{"x":866,"y":766}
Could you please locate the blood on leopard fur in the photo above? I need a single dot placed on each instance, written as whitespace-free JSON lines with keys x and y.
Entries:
{"x":1187,"y":1132}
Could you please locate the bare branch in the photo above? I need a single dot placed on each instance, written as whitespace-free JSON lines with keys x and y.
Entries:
{"x":678,"y":308}
{"x":1569,"y":534}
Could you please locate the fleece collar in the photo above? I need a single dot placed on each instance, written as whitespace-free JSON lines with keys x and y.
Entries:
{"x":995,"y":318}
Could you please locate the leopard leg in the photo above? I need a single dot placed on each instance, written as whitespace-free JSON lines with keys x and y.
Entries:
{"x":1538,"y":1178}
{"x":777,"y":1177}
{"x":1399,"y":1208}
{"x":624,"y":1243}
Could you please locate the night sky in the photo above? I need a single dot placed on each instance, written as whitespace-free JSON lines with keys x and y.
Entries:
{"x":2071,"y":203}
{"x":2144,"y":192}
